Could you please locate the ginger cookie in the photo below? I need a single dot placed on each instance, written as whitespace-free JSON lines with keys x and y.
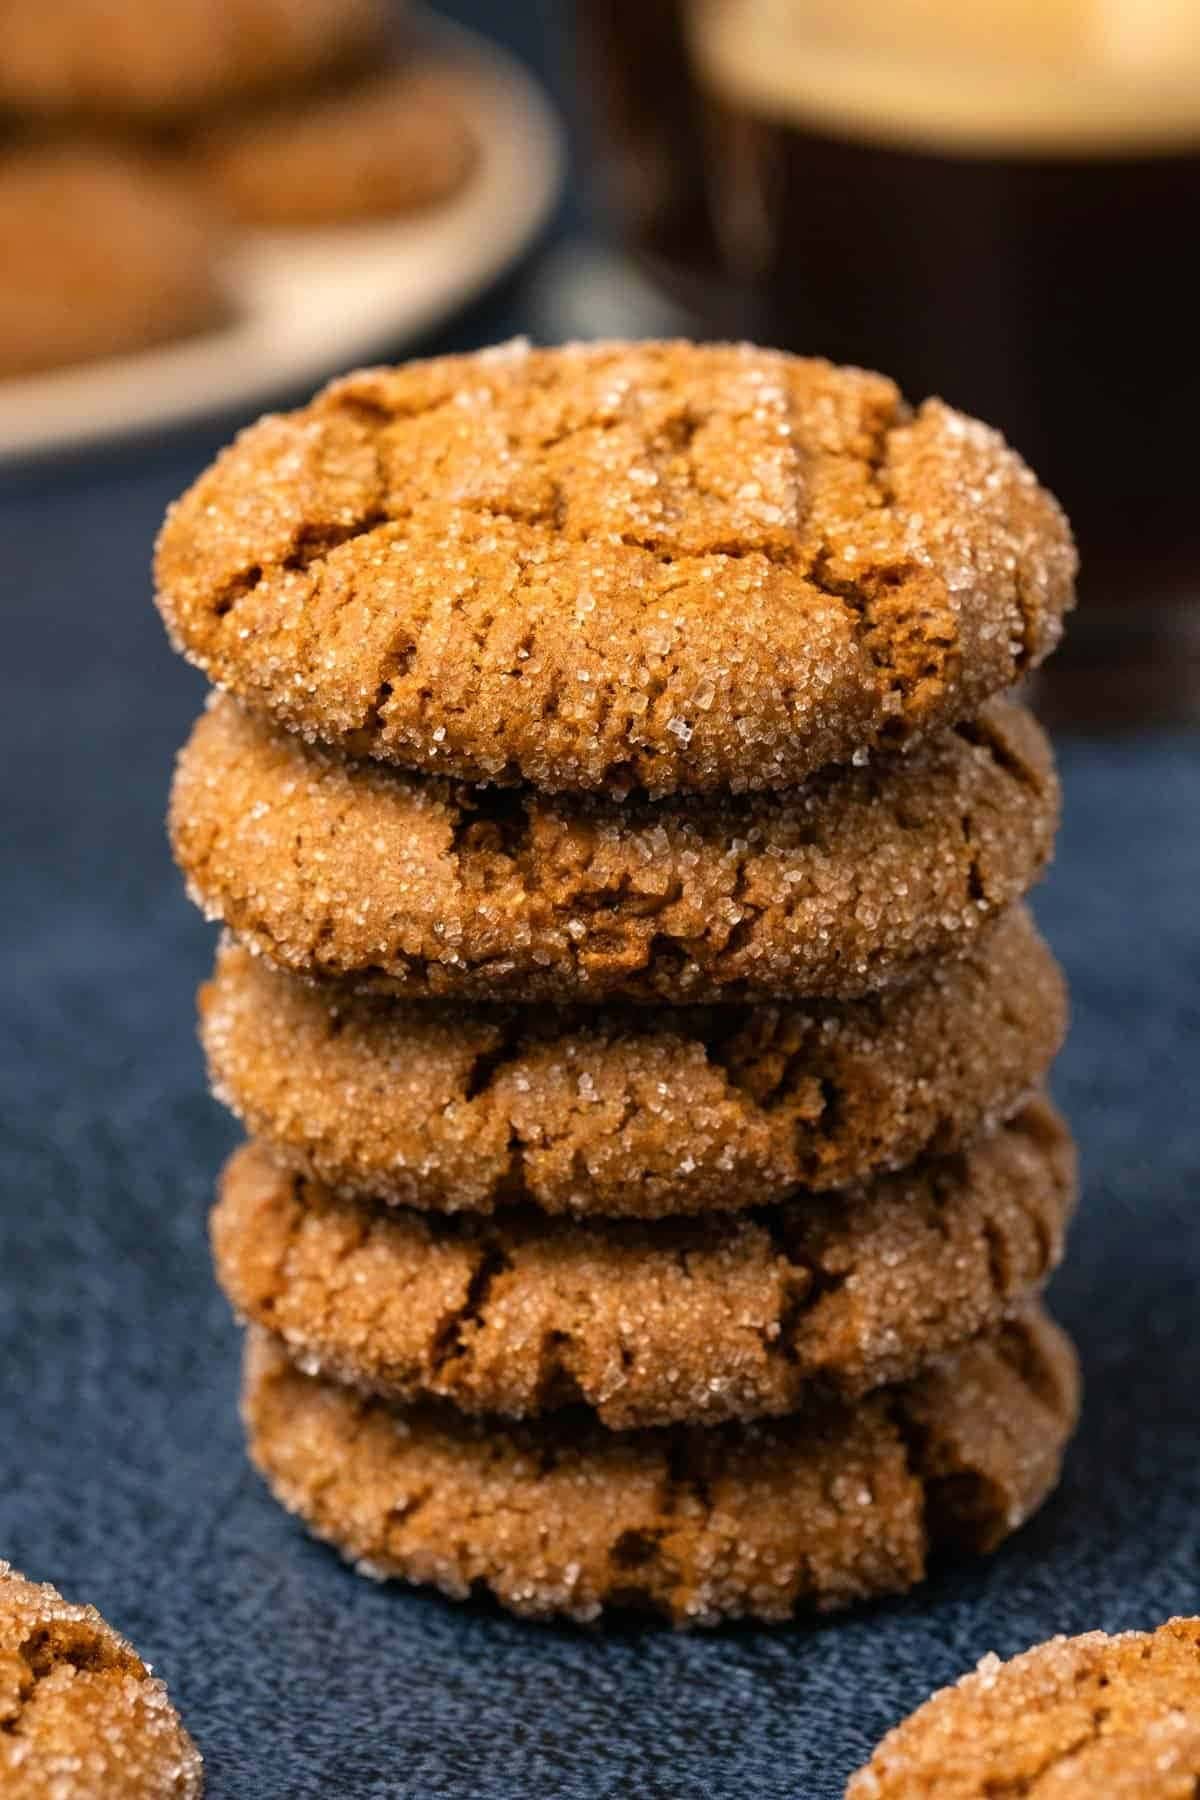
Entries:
{"x":630,"y":1112}
{"x":140,"y":59}
{"x":110,"y":254}
{"x":81,"y":1716}
{"x":616,"y":566}
{"x":389,"y":144}
{"x":650,"y":1323}
{"x":1084,"y":1718}
{"x":830,"y":1506}
{"x":858,"y":880}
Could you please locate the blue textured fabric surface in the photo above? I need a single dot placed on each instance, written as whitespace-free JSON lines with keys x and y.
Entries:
{"x":123,"y":1474}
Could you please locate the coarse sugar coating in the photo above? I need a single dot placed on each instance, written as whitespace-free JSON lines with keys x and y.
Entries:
{"x":81,"y":1716}
{"x":128,"y":59}
{"x":421,"y":887}
{"x":110,"y":254}
{"x":814,"y":1512}
{"x":388,"y":143}
{"x":1096,"y":1717}
{"x":666,"y":566}
{"x":627,"y":1112}
{"x":650,"y":1323}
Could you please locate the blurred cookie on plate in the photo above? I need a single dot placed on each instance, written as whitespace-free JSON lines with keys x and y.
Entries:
{"x":393,"y":143}
{"x":105,"y":253}
{"x":138,"y":59}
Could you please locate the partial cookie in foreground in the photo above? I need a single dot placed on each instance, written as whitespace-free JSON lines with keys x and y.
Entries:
{"x":861,"y":879}
{"x":140,"y":59}
{"x":650,"y":1323}
{"x":668,"y":566}
{"x":829,"y":1507}
{"x":110,"y":254}
{"x":627,"y":1113}
{"x":80,"y":1714}
{"x":394,"y":143}
{"x":1085,"y":1718}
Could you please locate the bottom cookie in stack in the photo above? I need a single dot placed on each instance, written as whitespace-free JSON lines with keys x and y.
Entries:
{"x":832,"y":1505}
{"x":790,"y":1408}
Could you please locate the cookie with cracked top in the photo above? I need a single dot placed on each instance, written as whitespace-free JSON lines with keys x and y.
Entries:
{"x":80,"y":1713}
{"x":140,"y":60}
{"x":665,"y":566}
{"x":650,"y":1323}
{"x":626,"y":1112}
{"x":389,"y":143}
{"x":814,"y":1512}
{"x":1095,"y":1717}
{"x":859,"y":880}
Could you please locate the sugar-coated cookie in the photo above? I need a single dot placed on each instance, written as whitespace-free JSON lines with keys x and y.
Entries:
{"x":650,"y":1323}
{"x":668,"y":566}
{"x":81,"y":1716}
{"x":1084,"y":1718}
{"x":828,"y":1507}
{"x":861,"y":879}
{"x":627,"y":1112}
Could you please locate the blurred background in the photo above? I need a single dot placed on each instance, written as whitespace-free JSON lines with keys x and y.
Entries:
{"x":994,"y":204}
{"x":208,"y":207}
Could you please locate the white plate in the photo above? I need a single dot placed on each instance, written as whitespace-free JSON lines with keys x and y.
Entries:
{"x":312,"y":303}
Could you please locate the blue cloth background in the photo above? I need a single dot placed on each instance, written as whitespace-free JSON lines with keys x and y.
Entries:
{"x":123,"y":1477}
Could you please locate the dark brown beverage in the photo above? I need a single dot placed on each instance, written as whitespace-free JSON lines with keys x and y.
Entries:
{"x":1013,"y":232}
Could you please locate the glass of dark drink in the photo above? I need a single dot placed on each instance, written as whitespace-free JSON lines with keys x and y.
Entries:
{"x":996,"y":203}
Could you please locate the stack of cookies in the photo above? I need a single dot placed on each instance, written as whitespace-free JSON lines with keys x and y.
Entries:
{"x":621,"y":836}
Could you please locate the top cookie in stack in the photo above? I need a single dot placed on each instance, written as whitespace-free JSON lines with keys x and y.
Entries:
{"x":686,"y":569}
{"x":596,"y":677}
